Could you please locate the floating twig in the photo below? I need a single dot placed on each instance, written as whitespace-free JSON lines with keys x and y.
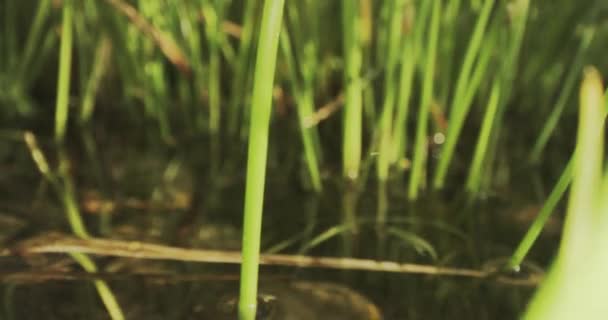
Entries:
{"x":60,"y":243}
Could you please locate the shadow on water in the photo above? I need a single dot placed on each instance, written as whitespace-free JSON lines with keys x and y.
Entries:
{"x":167,"y":198}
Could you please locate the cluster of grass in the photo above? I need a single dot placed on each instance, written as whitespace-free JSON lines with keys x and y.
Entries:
{"x":437,"y":70}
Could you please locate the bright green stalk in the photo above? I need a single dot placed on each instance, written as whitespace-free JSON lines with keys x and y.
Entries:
{"x":65,"y":64}
{"x":61,"y":117}
{"x":67,"y":193}
{"x":64,"y":188}
{"x":480,"y":68}
{"x":474,"y":179}
{"x":105,"y":293}
{"x":409,"y":59}
{"x":83,"y":49}
{"x":257,"y":154}
{"x":576,"y":285}
{"x":240,"y":82}
{"x":484,"y":144}
{"x":425,"y":105}
{"x":506,"y":74}
{"x":390,"y":85}
{"x":71,"y":207}
{"x":305,"y":109}
{"x":562,"y":101}
{"x":543,"y":215}
{"x":353,"y":58}
{"x":406,"y":81}
{"x":459,"y":110}
{"x":587,"y":166}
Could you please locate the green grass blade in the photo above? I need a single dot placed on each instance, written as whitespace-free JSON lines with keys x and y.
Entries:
{"x":543,"y":215}
{"x":475,"y":171}
{"x":104,"y":291}
{"x":518,"y":14}
{"x":65,"y":65}
{"x":257,"y":154}
{"x":353,"y":58}
{"x":390,"y":87}
{"x":420,"y":145}
{"x":409,"y":60}
{"x":459,"y":110}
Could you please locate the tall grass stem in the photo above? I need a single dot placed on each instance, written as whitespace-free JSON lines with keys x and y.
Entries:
{"x":257,"y":154}
{"x":394,"y":35}
{"x":475,"y":171}
{"x":65,"y":64}
{"x":420,"y":145}
{"x":459,"y":110}
{"x":353,"y":59}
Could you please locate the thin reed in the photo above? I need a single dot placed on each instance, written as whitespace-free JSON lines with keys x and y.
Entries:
{"x":270,"y":29}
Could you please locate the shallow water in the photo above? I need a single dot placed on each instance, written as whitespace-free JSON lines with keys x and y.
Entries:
{"x":159,"y":197}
